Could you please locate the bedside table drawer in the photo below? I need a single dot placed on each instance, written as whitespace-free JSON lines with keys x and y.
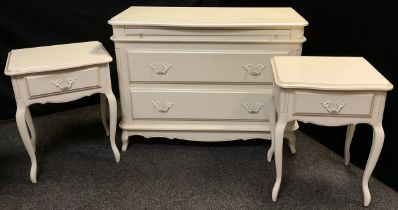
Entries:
{"x":332,"y":103}
{"x":200,"y":66}
{"x":61,"y":82}
{"x":200,"y":104}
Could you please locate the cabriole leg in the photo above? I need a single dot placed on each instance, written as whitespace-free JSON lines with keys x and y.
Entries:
{"x":31,"y":127}
{"x":291,"y":136}
{"x":112,"y":124}
{"x":23,"y":131}
{"x":272,"y":130}
{"x":103,"y":113}
{"x":377,"y":144}
{"x":348,"y":140}
{"x":279,"y":130}
{"x":125,"y":140}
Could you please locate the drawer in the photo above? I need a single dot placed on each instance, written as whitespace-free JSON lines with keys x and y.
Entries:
{"x":265,"y":34}
{"x":63,"y":81}
{"x":200,"y":104}
{"x":333,"y":103}
{"x":201,"y":66}
{"x":205,"y":32}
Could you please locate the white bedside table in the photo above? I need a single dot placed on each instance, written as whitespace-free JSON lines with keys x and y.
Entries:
{"x":56,"y":74}
{"x":328,"y":91}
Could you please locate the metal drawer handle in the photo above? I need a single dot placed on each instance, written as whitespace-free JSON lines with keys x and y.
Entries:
{"x":162,"y":106}
{"x":334,"y":109}
{"x":64,"y":84}
{"x":254,"y":70}
{"x":160,"y":68}
{"x":253,"y":108}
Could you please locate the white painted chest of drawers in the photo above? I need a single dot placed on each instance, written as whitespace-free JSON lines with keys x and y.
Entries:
{"x":200,"y":73}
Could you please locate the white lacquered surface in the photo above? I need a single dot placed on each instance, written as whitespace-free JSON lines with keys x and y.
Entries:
{"x":327,"y":73}
{"x":56,"y":57}
{"x":209,"y":17}
{"x":201,"y":74}
{"x":82,"y":70}
{"x":329,"y":91}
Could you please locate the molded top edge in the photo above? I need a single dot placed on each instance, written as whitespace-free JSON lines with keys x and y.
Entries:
{"x":247,"y":17}
{"x":56,"y":57}
{"x":327,"y":73}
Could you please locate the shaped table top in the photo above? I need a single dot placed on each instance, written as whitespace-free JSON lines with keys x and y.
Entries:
{"x":327,"y":73}
{"x":55,"y":57}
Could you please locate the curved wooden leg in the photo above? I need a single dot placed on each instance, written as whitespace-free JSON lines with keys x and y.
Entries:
{"x":272,"y":130}
{"x":103,"y":113}
{"x":348,"y":140}
{"x":23,"y":131}
{"x":125,"y":140}
{"x":279,"y":130}
{"x":31,"y":127}
{"x":112,"y":124}
{"x":377,"y":144}
{"x":291,"y":136}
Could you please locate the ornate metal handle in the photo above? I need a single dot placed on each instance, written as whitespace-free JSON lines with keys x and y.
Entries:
{"x":253,"y":108}
{"x":160,"y":68}
{"x":254,"y":70}
{"x":162,"y":106}
{"x":334,"y":109}
{"x":64,"y":84}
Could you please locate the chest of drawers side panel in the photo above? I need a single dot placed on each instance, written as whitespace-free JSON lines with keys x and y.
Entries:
{"x":123,"y":80}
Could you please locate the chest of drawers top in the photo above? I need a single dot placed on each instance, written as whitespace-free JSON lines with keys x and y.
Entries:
{"x":209,"y":24}
{"x":209,"y":17}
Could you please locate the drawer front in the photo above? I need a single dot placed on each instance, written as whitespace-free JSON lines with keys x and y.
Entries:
{"x":206,"y":105}
{"x":183,"y":34}
{"x":333,"y":103}
{"x":205,"y":32}
{"x":62,"y":82}
{"x":196,"y":66}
